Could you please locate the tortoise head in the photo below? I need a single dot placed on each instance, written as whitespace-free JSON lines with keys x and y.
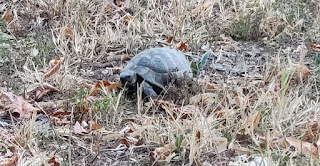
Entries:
{"x":128,"y":76}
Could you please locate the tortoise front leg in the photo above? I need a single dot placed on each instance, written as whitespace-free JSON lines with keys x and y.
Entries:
{"x":148,"y":90}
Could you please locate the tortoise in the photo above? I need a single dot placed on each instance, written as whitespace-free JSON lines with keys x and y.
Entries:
{"x":154,"y":68}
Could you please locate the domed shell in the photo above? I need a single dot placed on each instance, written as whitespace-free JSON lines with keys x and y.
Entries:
{"x":156,"y":65}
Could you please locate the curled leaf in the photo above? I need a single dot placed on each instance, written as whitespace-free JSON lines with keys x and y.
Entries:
{"x":305,"y":148}
{"x":21,"y":108}
{"x":78,"y":129}
{"x":54,"y":67}
{"x":6,"y":98}
{"x":161,"y":153}
{"x":69,"y":33}
{"x":302,"y":69}
{"x":100,"y":84}
{"x":7,"y":17}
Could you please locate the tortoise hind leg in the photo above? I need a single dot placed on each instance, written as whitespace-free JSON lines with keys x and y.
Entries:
{"x":148,"y":90}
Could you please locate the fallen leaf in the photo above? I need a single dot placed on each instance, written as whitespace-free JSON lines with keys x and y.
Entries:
{"x":8,"y":160}
{"x":21,"y":108}
{"x":113,"y":86}
{"x":183,"y":47}
{"x":169,"y":39}
{"x":78,"y":129}
{"x":7,"y":17}
{"x":94,"y":125}
{"x":305,"y":148}
{"x":220,"y":144}
{"x":54,"y":67}
{"x":108,"y":9}
{"x":61,"y":117}
{"x":53,"y":104}
{"x":130,"y":141}
{"x":99,"y":84}
{"x":53,"y":161}
{"x":129,"y":20}
{"x":254,"y":121}
{"x":161,"y":153}
{"x":69,"y":33}
{"x":316,"y":47}
{"x":302,"y":69}
{"x":45,"y":90}
{"x":113,"y":70}
{"x":6,"y":98}
{"x":6,"y":136}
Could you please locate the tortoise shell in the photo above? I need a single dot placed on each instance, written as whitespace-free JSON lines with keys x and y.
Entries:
{"x":156,"y":66}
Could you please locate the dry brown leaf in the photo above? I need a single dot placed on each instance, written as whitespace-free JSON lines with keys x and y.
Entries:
{"x":94,"y":125}
{"x":8,"y":160}
{"x":52,"y":104}
{"x":53,"y":161}
{"x":54,"y":67}
{"x":61,"y":117}
{"x":131,"y":141}
{"x":43,"y":91}
{"x":316,"y":47}
{"x":129,"y":20}
{"x":209,"y":86}
{"x":114,"y":86}
{"x":182,"y":46}
{"x":69,"y":33}
{"x":220,"y":144}
{"x":6,"y":136}
{"x":108,"y":9}
{"x":169,"y":39}
{"x":131,"y":136}
{"x":78,"y":129}
{"x":161,"y":153}
{"x":254,"y":121}
{"x":204,"y":6}
{"x":98,"y":86}
{"x":6,"y":98}
{"x":165,"y":104}
{"x":7,"y":17}
{"x":305,"y":148}
{"x":302,"y":69}
{"x":113,"y":70}
{"x":21,"y":108}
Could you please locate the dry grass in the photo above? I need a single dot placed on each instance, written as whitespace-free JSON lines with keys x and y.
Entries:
{"x":268,"y":33}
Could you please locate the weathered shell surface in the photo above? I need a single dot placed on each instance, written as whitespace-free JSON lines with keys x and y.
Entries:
{"x":156,"y":64}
